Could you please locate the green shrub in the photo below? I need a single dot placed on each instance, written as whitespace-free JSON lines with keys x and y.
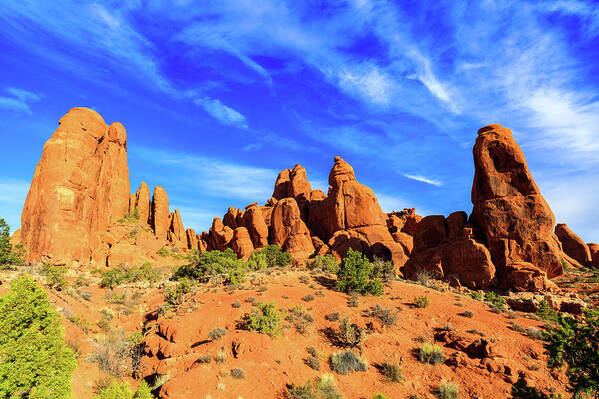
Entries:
{"x":275,"y":257}
{"x":421,"y":301}
{"x":327,"y":263}
{"x":350,"y":334}
{"x":238,"y":373}
{"x":113,"y":277}
{"x":36,"y":362}
{"x":345,"y":362}
{"x":332,"y":316}
{"x":176,"y":297}
{"x":476,"y":295}
{"x":431,"y":353}
{"x":265,"y":319}
{"x":121,"y":390}
{"x":392,"y":371}
{"x":383,"y":269}
{"x":130,"y":217}
{"x":217,"y":333}
{"x":323,"y":388}
{"x":449,"y":390}
{"x":213,"y":263}
{"x":575,"y":342}
{"x":355,"y":275}
{"x":9,"y":256}
{"x":300,"y":319}
{"x":387,"y":316}
{"x":164,"y":252}
{"x":495,"y":300}
{"x":545,"y":312}
{"x":520,"y":390}
{"x":55,"y":276}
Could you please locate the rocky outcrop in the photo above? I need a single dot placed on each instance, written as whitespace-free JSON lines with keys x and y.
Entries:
{"x":220,"y":235}
{"x":80,"y":186}
{"x":241,"y":243}
{"x":253,"y":221}
{"x":353,"y":207}
{"x":594,"y":251}
{"x":176,"y":231}
{"x":289,"y":231}
{"x":192,"y":239}
{"x":141,"y":201}
{"x":160,"y":216}
{"x":446,"y":248}
{"x":573,"y":245}
{"x":514,"y":218}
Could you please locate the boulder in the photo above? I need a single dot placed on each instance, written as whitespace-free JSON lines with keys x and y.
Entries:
{"x":289,"y":231}
{"x":510,"y":211}
{"x":160,"y":216}
{"x":241,"y":243}
{"x":80,"y":186}
{"x":281,"y":185}
{"x":573,"y":245}
{"x":524,"y":276}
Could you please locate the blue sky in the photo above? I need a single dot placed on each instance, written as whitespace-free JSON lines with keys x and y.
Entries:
{"x":217,"y":97}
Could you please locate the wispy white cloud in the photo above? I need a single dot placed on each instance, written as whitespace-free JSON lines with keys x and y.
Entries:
{"x":212,"y":176}
{"x":19,"y":101}
{"x":367,"y":82}
{"x":423,"y":179}
{"x":223,"y":113}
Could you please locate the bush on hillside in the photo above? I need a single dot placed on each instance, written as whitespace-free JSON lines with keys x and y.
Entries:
{"x":213,"y":263}
{"x":575,"y":342}
{"x":36,"y":362}
{"x":55,"y":276}
{"x":323,"y":388}
{"x":346,"y":362}
{"x":265,"y":318}
{"x":121,"y":275}
{"x":356,"y":275}
{"x":327,"y":263}
{"x":121,"y":390}
{"x":9,"y":256}
{"x":273,"y":255}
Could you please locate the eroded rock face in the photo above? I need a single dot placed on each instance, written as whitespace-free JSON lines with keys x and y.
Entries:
{"x":509,"y":209}
{"x":141,"y":201}
{"x":353,"y":207}
{"x":241,"y":243}
{"x":192,"y":239}
{"x":80,"y":186}
{"x":446,"y":248}
{"x":220,"y":235}
{"x":594,"y":251}
{"x":253,"y":221}
{"x":176,"y":232}
{"x":289,"y":231}
{"x":573,"y":245}
{"x":160,"y":216}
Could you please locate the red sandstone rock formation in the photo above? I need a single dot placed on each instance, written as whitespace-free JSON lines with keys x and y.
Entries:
{"x":160,"y":216}
{"x":445,"y":248}
{"x":594,"y":251}
{"x":573,"y":245}
{"x":289,"y":231}
{"x":241,"y":243}
{"x":353,"y":207}
{"x":253,"y":221}
{"x":176,"y":232}
{"x":80,"y":186}
{"x":192,"y":239}
{"x":141,"y":201}
{"x":509,"y":209}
